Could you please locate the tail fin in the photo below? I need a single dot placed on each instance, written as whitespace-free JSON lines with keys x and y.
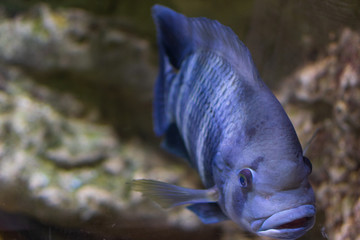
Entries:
{"x":179,"y":36}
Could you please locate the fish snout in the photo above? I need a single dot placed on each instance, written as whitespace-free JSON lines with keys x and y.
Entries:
{"x":287,"y":224}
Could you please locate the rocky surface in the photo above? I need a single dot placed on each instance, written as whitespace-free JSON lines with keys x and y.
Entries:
{"x":298,"y":32}
{"x":94,"y":58}
{"x":73,"y":172}
{"x":325,"y":94}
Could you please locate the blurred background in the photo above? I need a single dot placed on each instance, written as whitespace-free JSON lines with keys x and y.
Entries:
{"x":76,"y":79}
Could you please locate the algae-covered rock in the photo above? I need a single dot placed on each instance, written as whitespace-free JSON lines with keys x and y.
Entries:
{"x":94,"y":58}
{"x":72,"y":40}
{"x":326,"y":94}
{"x":70,"y":171}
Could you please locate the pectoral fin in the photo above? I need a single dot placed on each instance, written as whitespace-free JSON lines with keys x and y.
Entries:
{"x":168,"y":195}
{"x":208,"y":212}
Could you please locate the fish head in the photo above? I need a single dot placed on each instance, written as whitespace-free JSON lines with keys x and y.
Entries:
{"x":271,"y":196}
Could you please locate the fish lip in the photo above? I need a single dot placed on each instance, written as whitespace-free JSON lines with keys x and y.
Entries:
{"x":273,"y":226}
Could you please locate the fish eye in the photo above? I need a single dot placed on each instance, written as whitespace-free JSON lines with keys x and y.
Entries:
{"x":245,"y":178}
{"x":307,"y":163}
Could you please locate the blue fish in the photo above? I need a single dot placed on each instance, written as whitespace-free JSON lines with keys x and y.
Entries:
{"x":214,"y":110}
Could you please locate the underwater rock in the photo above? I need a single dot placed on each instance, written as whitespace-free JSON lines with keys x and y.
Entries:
{"x":67,"y":170}
{"x":72,"y":40}
{"x":297,"y":33}
{"x":95,"y":58}
{"x":325,"y":94}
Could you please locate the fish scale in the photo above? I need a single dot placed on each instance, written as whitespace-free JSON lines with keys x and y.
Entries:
{"x":199,"y":104}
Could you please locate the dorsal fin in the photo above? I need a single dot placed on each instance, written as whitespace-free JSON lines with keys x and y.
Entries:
{"x":181,"y":36}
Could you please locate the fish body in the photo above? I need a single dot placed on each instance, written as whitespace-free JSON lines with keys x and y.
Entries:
{"x":214,"y":110}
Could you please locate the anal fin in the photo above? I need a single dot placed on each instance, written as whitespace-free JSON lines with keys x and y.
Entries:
{"x":173,"y":142}
{"x":208,"y":212}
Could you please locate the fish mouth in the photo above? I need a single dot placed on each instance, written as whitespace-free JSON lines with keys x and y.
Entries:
{"x":287,"y":224}
{"x":297,"y":223}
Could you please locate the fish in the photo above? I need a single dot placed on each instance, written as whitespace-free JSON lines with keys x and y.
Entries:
{"x":212,"y":108}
